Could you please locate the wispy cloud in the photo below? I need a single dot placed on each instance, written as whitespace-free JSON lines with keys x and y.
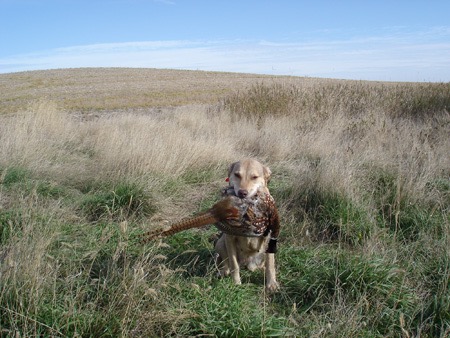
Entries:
{"x":166,"y":2}
{"x":399,"y":56}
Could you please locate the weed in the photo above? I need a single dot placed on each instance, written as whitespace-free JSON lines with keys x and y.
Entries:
{"x":197,"y":176}
{"x":315,"y":279}
{"x":261,"y":101}
{"x":14,"y":175}
{"x":10,"y":224}
{"x":214,"y":316}
{"x":197,"y":260}
{"x":50,"y":189}
{"x":336,"y":217}
{"x":123,"y":201}
{"x":405,"y":217}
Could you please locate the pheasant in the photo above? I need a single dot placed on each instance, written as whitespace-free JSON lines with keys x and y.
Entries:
{"x":249,"y":217}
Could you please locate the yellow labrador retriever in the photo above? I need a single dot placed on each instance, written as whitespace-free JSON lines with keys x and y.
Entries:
{"x":247,"y":179}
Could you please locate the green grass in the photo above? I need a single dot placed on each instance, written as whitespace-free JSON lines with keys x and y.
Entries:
{"x":403,"y":215}
{"x":215,"y":317}
{"x":336,"y":218}
{"x":92,"y":269}
{"x":120,"y":201}
{"x":317,"y":279}
{"x":10,"y":221}
{"x":14,"y":175}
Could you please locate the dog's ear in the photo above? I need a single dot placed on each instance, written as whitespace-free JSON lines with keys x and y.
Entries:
{"x":231,"y":168}
{"x":267,"y":174}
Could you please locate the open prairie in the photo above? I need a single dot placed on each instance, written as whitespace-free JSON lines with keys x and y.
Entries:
{"x":94,"y":89}
{"x":91,"y":158}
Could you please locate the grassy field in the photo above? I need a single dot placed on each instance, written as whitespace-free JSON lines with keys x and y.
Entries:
{"x":90,"y":158}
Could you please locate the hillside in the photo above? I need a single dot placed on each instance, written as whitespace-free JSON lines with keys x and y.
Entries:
{"x":90,"y":89}
{"x":92,"y":158}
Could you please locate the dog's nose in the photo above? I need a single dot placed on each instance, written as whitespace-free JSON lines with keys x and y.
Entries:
{"x":242,"y":193}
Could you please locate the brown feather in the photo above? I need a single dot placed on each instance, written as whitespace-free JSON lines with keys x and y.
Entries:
{"x":221,"y":211}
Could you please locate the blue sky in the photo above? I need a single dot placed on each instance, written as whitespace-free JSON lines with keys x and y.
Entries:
{"x":364,"y":40}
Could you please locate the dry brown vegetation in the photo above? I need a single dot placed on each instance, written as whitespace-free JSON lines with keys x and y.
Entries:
{"x":361,"y":177}
{"x":94,"y":89}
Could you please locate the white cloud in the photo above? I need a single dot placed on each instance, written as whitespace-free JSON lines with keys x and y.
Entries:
{"x":397,"y":57}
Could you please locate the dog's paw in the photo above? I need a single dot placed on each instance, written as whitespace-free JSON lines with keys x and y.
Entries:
{"x":237,"y":280}
{"x":272,"y":286}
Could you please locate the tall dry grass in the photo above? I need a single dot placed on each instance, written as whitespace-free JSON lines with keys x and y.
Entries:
{"x":198,"y":137}
{"x":360,"y":176}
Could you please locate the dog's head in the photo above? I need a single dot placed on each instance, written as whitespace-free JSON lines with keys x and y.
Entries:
{"x":247,"y":177}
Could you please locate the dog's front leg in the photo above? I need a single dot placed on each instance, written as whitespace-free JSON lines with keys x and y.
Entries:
{"x":271,"y":281}
{"x":233,"y":263}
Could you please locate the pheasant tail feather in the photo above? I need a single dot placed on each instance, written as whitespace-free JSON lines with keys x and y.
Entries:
{"x":190,"y":223}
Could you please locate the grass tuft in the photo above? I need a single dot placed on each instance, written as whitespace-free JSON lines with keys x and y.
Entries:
{"x":14,"y":175}
{"x":122,"y":201}
{"x":336,"y":218}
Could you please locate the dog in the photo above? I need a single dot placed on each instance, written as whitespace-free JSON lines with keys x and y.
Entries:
{"x":246,"y":178}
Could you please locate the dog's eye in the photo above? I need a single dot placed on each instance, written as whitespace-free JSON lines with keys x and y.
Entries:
{"x":254,"y":177}
{"x":237,"y":175}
